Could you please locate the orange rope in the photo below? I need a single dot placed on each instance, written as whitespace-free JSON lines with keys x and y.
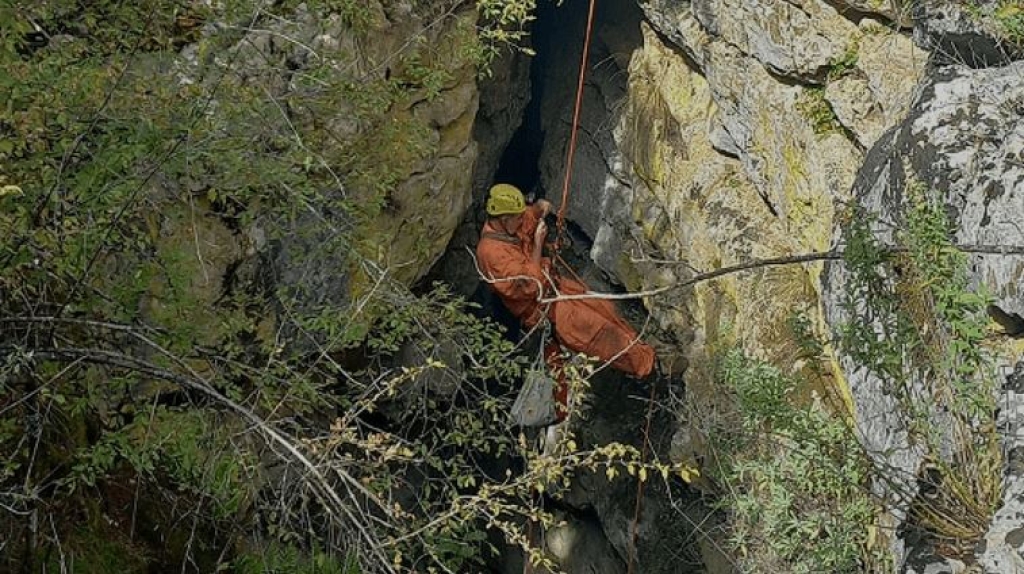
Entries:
{"x":560,"y":226}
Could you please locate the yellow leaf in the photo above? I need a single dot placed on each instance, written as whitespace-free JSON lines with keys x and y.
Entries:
{"x":688,"y":473}
{"x":643,"y":474}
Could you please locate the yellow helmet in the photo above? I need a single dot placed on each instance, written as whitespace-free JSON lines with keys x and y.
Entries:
{"x":505,"y":199}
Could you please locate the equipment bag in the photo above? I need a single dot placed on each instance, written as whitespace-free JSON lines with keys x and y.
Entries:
{"x":535,"y":405}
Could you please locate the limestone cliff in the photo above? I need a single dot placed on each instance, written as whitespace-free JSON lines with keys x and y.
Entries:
{"x":718,"y":132}
{"x":961,"y":140}
{"x":391,"y":216}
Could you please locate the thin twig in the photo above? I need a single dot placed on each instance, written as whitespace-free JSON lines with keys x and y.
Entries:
{"x":334,"y":504}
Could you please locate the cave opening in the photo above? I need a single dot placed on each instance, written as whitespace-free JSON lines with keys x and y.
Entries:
{"x":533,"y":99}
{"x":520,"y":162}
{"x":535,"y":157}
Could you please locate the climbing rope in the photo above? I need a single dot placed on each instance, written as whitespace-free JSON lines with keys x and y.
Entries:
{"x":571,"y":154}
{"x":556,"y":247}
{"x":560,"y":234}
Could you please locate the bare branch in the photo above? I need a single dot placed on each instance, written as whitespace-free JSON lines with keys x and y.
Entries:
{"x":1004,"y":250}
{"x":332,"y":501}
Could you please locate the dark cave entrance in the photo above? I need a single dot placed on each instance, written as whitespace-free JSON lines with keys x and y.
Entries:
{"x":533,"y":160}
{"x":556,"y":37}
{"x":519,"y":163}
{"x":534,"y":156}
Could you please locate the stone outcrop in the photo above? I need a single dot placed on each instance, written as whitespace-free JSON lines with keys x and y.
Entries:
{"x":504,"y":95}
{"x":720,"y":133}
{"x":738,"y":134}
{"x":1002,"y":550}
{"x":963,"y":140}
{"x":965,"y":34}
{"x":666,"y":519}
{"x":599,"y":174}
{"x":431,"y":184}
{"x":741,"y":132}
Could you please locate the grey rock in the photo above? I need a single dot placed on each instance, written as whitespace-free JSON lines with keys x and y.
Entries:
{"x":1003,"y":546}
{"x":959,"y":33}
{"x":677,"y":22}
{"x":962,"y":139}
{"x":580,"y":547}
{"x":898,"y":12}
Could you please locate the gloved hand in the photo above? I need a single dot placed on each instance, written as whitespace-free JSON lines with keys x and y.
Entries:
{"x":541,"y":233}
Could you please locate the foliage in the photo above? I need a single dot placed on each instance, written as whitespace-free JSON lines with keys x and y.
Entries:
{"x":921,"y":330}
{"x":1005,"y":16}
{"x":507,"y":21}
{"x":843,"y":64}
{"x":796,"y":481}
{"x":818,"y":111}
{"x":96,"y":548}
{"x":795,"y":478}
{"x":281,"y":558}
{"x":190,"y":447}
{"x":1010,"y":17}
{"x":159,"y":161}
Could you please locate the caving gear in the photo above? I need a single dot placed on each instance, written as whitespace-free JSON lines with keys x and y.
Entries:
{"x":589,"y":326}
{"x":505,"y":199}
{"x":533,"y":406}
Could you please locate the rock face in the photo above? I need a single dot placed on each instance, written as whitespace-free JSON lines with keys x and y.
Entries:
{"x":504,"y":96}
{"x":963,"y":34}
{"x":727,"y":131}
{"x":599,"y":174}
{"x":440,"y":131}
{"x":741,"y":130}
{"x":1003,"y":547}
{"x":962,"y":139}
{"x":666,"y":515}
{"x":738,"y":132}
{"x":714,"y":133}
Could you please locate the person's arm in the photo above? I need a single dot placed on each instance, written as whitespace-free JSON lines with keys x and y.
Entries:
{"x":538,"y":210}
{"x":539,"y":235}
{"x":513,"y":276}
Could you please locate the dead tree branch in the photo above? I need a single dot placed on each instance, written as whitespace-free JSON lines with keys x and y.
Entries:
{"x":1003,"y":250}
{"x":321,"y":486}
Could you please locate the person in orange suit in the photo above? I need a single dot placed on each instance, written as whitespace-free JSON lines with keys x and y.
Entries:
{"x":511,"y":259}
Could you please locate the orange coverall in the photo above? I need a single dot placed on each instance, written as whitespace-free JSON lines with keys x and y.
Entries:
{"x":590,"y":326}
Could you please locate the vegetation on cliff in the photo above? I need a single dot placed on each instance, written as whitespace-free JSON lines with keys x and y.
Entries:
{"x":206,"y":363}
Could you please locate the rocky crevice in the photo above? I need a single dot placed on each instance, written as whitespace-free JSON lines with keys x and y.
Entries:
{"x":730,"y":145}
{"x":716,"y":132}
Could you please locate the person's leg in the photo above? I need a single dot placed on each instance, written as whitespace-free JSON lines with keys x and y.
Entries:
{"x":591,"y":327}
